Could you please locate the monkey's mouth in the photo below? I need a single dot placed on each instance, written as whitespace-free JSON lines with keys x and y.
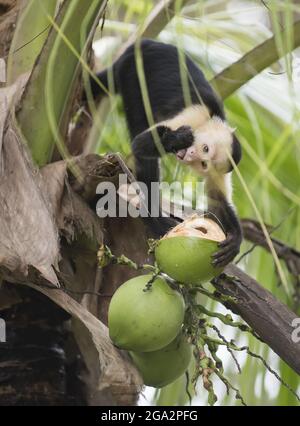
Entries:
{"x":181,"y":154}
{"x":186,"y":157}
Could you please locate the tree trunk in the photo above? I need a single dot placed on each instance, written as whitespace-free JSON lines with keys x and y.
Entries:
{"x":35,"y":366}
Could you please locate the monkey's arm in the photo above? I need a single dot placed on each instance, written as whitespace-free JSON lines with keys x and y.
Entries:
{"x":145,"y":151}
{"x":220,"y":209}
{"x":145,"y":144}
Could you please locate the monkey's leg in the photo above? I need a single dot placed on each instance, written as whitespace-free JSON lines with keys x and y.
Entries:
{"x":219,"y":209}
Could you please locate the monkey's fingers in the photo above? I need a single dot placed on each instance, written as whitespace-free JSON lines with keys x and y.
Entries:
{"x":223,"y":260}
{"x":185,"y":133}
{"x":226,"y":254}
{"x":175,"y":144}
{"x":225,"y":243}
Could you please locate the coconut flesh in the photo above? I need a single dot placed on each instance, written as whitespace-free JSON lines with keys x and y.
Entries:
{"x":185,"y":252}
{"x":200,"y":227}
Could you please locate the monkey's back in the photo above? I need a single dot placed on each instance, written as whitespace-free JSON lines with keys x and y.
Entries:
{"x":164,"y":85}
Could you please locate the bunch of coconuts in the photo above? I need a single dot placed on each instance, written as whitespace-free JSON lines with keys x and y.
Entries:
{"x":147,"y":320}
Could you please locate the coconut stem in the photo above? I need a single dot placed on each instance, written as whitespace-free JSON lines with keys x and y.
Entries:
{"x":150,"y":282}
{"x":106,"y":257}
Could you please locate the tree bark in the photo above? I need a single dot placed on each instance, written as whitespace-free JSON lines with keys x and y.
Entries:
{"x":269,"y":318}
{"x":35,"y":368}
{"x":9,"y":10}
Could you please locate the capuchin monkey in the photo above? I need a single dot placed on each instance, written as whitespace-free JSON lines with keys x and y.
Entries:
{"x":197,"y":134}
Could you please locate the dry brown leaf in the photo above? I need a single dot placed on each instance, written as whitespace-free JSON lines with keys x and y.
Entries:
{"x":29,"y":235}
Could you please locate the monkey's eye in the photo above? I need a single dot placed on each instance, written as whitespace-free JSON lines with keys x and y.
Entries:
{"x":205,"y":148}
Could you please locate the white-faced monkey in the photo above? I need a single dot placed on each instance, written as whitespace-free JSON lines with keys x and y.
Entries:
{"x":197,"y":134}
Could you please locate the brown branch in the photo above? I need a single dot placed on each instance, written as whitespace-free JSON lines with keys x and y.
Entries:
{"x":253,"y":232}
{"x":271,"y":319}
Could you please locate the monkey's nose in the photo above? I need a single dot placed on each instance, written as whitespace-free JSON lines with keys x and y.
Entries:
{"x":191,"y":154}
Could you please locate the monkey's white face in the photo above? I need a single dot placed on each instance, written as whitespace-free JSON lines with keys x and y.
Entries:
{"x":210,"y":149}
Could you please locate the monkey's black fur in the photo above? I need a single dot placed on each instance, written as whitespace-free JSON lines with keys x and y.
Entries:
{"x":164,"y":87}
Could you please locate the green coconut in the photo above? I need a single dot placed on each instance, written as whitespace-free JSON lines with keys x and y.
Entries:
{"x":185,"y":253}
{"x":142,"y":320}
{"x":159,"y":368}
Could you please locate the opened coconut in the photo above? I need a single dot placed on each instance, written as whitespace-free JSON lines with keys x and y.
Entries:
{"x":159,"y":368}
{"x":185,"y":253}
{"x":145,"y":320}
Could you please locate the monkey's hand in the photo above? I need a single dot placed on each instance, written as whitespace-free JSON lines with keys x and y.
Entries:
{"x":228,"y":248}
{"x":176,"y":140}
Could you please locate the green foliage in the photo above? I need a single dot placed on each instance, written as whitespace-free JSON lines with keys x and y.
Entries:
{"x":51,"y":85}
{"x":32,"y":29}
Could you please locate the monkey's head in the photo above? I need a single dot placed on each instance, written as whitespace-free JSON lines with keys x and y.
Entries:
{"x":213,"y":142}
